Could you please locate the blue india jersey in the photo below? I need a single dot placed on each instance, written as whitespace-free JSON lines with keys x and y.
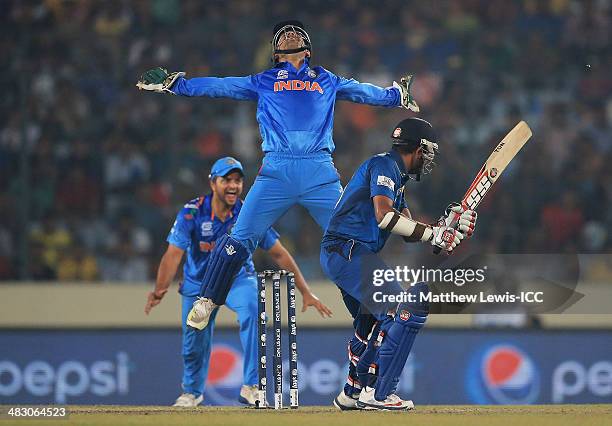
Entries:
{"x":295,"y":107}
{"x":196,"y":230}
{"x":354,"y":217}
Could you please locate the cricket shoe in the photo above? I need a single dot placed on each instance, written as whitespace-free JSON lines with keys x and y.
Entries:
{"x":200,"y":313}
{"x":391,"y":403}
{"x":188,"y":400}
{"x":345,"y":402}
{"x":249,"y":394}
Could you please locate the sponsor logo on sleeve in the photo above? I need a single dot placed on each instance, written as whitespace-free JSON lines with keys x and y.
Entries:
{"x":385,"y":181}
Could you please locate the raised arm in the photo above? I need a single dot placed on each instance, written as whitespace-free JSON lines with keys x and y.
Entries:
{"x":365,"y":93}
{"x":160,"y":81}
{"x":239,"y":88}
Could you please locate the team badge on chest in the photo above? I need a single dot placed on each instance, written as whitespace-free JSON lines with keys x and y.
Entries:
{"x":207,"y":229}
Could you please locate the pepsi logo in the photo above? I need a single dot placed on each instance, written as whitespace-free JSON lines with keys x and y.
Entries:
{"x":224,"y":375}
{"x":503,"y":374}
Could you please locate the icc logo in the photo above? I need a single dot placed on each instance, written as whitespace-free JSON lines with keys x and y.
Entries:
{"x":502,"y":374}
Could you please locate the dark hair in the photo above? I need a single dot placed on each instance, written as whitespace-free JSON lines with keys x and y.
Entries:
{"x":406,"y":149}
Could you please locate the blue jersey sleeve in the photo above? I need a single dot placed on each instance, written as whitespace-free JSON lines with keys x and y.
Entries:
{"x":240,"y":88}
{"x":365,"y":93}
{"x":269,"y":239}
{"x":383,"y":178}
{"x":180,"y":234}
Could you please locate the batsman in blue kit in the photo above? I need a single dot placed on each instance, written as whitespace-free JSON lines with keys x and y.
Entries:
{"x":371,"y":208}
{"x":199,"y":226}
{"x":295,"y":111}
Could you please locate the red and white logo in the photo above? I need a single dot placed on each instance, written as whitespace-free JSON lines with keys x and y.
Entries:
{"x":397,"y":132}
{"x":224,"y":375}
{"x":404,"y":315}
{"x":509,"y":375}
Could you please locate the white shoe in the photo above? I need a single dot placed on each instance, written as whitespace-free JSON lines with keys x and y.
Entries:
{"x":249,"y":394}
{"x":188,"y":400}
{"x":200,"y":313}
{"x":345,"y":402}
{"x":392,"y":403}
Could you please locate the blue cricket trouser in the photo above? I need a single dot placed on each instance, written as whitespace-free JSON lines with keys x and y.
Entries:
{"x":284,"y":180}
{"x":310,"y":180}
{"x":197,"y":345}
{"x":350,"y":265}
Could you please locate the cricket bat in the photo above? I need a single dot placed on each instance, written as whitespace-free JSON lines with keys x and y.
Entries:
{"x":492,"y":169}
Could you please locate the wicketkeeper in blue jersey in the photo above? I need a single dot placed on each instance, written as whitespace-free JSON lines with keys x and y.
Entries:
{"x":295,"y":111}
{"x":371,"y":208}
{"x":198,"y":227}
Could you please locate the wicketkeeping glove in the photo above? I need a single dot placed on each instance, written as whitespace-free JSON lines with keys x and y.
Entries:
{"x":158,"y":80}
{"x":407,"y":100}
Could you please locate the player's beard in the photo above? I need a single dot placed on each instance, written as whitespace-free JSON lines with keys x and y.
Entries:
{"x":417,"y":167}
{"x":227,"y":198}
{"x":230,"y":198}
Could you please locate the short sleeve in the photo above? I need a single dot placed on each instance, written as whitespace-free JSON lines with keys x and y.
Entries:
{"x":269,"y":239}
{"x":383,"y":178}
{"x":180,"y":234}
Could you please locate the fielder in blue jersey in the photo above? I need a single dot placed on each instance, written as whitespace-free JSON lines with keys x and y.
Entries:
{"x":370,"y":209}
{"x":295,"y":111}
{"x":198,"y":226}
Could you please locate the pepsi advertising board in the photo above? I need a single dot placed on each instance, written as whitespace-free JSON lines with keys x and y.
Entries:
{"x":143,"y":367}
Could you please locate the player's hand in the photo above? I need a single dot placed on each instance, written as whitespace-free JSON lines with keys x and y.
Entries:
{"x":158,"y":80}
{"x":310,"y":299}
{"x":467,"y":222}
{"x":154,"y":298}
{"x":446,"y":238}
{"x":464,"y":220}
{"x":404,"y":86}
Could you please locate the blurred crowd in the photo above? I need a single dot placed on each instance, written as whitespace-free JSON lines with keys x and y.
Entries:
{"x":92,"y":171}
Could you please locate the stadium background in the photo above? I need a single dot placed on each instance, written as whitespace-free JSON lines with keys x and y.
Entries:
{"x":92,"y":173}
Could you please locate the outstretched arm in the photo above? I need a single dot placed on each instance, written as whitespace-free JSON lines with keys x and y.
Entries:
{"x":283,"y":258}
{"x":160,"y":81}
{"x":365,"y":93}
{"x":240,"y":88}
